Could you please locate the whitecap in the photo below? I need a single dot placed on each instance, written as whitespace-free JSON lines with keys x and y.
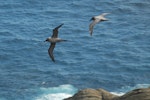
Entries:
{"x":126,"y":89}
{"x":56,"y":93}
{"x":118,"y":93}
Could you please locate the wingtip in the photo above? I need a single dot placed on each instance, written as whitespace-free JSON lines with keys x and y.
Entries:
{"x":56,"y":28}
{"x":62,"y":24}
{"x":90,"y":33}
{"x":104,"y":14}
{"x":53,"y":60}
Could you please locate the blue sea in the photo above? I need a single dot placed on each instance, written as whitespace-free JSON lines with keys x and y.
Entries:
{"x":116,"y":58}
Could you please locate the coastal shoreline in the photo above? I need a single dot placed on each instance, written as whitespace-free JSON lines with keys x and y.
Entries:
{"x":101,"y":94}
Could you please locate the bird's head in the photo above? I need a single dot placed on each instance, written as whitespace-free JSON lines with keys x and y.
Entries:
{"x":92,"y":19}
{"x":46,"y":40}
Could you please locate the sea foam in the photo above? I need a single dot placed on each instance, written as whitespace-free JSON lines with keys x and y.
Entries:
{"x":57,"y":93}
{"x":126,"y":89}
{"x":65,"y":91}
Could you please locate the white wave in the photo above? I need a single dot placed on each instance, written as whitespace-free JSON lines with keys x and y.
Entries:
{"x":129,"y":88}
{"x":118,"y":93}
{"x":64,"y":91}
{"x":57,"y":96}
{"x":126,"y":89}
{"x":57,"y":93}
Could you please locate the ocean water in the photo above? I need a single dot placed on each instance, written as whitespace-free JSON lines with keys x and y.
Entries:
{"x":115,"y":58}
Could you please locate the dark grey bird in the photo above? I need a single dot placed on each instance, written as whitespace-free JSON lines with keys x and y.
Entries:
{"x":97,"y":19}
{"x":53,"y":40}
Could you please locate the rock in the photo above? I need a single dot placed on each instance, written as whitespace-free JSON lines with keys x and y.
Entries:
{"x":137,"y":94}
{"x":100,"y":94}
{"x":92,"y":94}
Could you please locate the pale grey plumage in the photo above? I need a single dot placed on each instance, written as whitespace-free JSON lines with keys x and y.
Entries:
{"x":97,"y":19}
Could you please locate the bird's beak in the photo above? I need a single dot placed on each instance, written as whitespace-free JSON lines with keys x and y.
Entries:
{"x":91,"y":19}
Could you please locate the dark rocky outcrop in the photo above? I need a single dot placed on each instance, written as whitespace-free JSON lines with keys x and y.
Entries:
{"x":100,"y":94}
{"x":137,"y":94}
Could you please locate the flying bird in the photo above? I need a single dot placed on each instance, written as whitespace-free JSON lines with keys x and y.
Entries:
{"x":97,"y":19}
{"x":53,"y":40}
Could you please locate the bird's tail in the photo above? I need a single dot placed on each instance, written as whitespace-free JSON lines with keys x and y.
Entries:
{"x":64,"y":40}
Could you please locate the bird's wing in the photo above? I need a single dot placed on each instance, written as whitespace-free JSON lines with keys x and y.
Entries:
{"x":50,"y":51}
{"x":104,"y":14}
{"x":55,"y":31}
{"x":92,"y":25}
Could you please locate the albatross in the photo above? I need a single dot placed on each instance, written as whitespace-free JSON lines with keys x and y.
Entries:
{"x":97,"y":19}
{"x":53,"y":40}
